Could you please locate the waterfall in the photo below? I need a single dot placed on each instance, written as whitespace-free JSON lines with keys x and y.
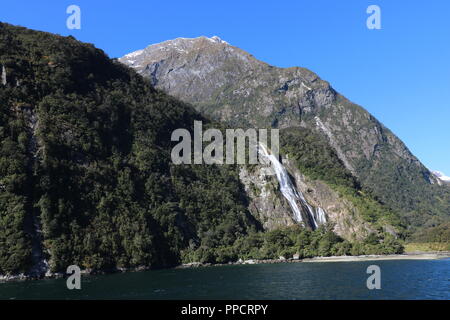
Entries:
{"x":314,"y":217}
{"x":3,"y":75}
{"x":321,"y":217}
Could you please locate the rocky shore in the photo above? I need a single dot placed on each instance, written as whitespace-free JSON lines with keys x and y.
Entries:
{"x":55,"y":275}
{"x":406,"y":256}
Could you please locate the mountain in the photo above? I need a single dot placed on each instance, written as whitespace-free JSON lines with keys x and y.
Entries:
{"x":218,"y":65}
{"x":228,"y":84}
{"x":86,"y":176}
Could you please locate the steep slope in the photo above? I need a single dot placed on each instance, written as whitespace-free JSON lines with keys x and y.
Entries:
{"x":85,"y":170}
{"x":329,"y":191}
{"x":226,"y":83}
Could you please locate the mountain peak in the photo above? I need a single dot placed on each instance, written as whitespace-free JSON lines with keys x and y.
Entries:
{"x":188,"y":41}
{"x":214,"y":38}
{"x":193,"y":59}
{"x":217,"y":39}
{"x":176,"y":48}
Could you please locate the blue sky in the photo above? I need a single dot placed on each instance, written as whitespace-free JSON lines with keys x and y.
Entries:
{"x":401,"y":73}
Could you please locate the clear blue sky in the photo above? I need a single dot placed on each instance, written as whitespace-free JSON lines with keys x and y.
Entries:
{"x":401,"y":73}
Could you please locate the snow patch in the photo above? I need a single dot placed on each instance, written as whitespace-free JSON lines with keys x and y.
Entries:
{"x":134,"y":54}
{"x":304,"y":85}
{"x":217,"y":39}
{"x":441,"y":176}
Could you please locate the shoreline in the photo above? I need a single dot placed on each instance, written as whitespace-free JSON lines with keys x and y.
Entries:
{"x":406,"y":256}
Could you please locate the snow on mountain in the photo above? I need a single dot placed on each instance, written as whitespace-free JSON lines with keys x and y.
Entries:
{"x":441,"y":176}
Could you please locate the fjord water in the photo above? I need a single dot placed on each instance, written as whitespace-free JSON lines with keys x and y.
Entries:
{"x":400,"y":279}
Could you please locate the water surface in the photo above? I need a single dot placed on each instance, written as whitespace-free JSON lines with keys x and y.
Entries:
{"x":400,"y":279}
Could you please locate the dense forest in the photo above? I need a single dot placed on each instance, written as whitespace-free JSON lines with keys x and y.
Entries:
{"x":86,"y":176}
{"x":85,"y":145}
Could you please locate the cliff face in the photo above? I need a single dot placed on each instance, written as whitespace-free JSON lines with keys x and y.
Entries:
{"x":273,"y":211}
{"x":226,"y":83}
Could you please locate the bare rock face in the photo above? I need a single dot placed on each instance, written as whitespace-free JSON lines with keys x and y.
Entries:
{"x":228,"y":84}
{"x":166,"y":64}
{"x":267,"y":203}
{"x":270,"y":207}
{"x":340,"y":212}
{"x":208,"y":72}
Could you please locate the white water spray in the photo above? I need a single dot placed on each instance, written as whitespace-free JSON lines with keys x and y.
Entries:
{"x":293,"y":196}
{"x":320,"y":216}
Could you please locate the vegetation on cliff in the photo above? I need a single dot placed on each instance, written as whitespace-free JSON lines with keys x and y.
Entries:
{"x":315,"y":158}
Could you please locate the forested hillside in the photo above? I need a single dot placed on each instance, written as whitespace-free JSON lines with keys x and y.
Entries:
{"x":85,"y":146}
{"x":86,"y":176}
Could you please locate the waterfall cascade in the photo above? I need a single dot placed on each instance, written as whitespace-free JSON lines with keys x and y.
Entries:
{"x":3,"y":75}
{"x":312,"y":217}
{"x":320,"y":216}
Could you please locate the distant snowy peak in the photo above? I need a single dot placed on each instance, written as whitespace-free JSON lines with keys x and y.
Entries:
{"x":217,"y":39}
{"x":178,"y":43}
{"x":179,"y":46}
{"x":130,"y":58}
{"x":214,"y":39}
{"x":134,"y":54}
{"x":441,"y":176}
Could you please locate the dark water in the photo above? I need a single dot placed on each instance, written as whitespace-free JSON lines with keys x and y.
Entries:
{"x":400,"y":279}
